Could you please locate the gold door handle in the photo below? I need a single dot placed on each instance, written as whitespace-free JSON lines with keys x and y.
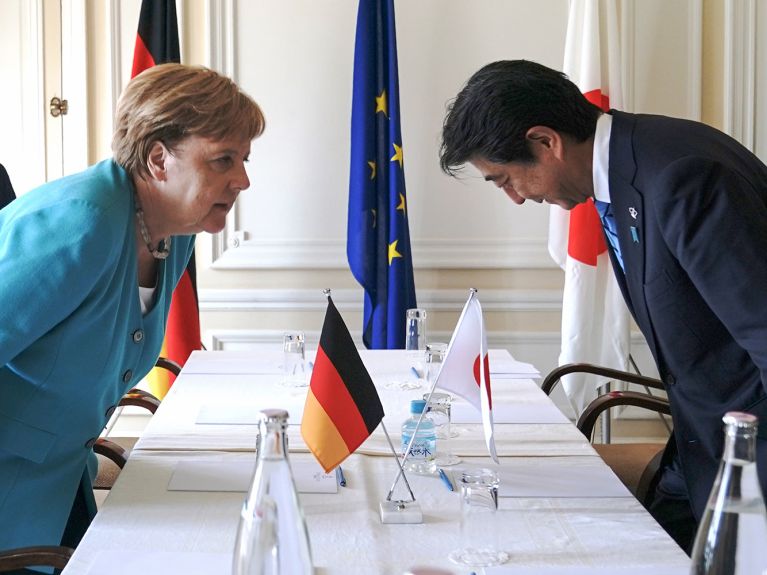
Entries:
{"x":59,"y":107}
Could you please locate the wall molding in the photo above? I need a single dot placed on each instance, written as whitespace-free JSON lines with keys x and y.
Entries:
{"x":539,"y":348}
{"x":222,"y":339}
{"x":257,"y":300}
{"x":531,"y":253}
{"x":33,"y":94}
{"x":628,"y":21}
{"x":695,"y":62}
{"x":74,"y":85}
{"x":232,"y":250}
{"x":221,"y":56}
{"x":115,"y":54}
{"x":740,"y":70}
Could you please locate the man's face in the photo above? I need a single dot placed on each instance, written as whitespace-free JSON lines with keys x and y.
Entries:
{"x":536,"y":181}
{"x":559,"y":173}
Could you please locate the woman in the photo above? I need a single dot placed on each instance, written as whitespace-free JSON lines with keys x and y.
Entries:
{"x":87,"y":267}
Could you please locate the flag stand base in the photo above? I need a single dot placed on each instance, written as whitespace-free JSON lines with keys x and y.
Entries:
{"x":401,"y":512}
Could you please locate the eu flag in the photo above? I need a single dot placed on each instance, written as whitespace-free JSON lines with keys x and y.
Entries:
{"x":378,"y":240}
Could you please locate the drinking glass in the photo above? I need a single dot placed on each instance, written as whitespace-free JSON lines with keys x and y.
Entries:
{"x":479,"y":527}
{"x":294,"y":350}
{"x":415,"y":329}
{"x":439,"y":411}
{"x":435,"y":355}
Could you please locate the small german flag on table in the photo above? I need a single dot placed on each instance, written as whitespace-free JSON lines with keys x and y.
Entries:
{"x":342,"y":405}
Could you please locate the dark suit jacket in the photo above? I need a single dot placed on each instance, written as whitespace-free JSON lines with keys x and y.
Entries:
{"x":696,"y":277}
{"x":6,"y":189}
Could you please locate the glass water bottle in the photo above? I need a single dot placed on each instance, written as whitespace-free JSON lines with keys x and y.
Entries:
{"x":272,"y":538}
{"x":732,"y":535}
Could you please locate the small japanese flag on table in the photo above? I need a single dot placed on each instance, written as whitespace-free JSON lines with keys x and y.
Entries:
{"x":466,"y":368}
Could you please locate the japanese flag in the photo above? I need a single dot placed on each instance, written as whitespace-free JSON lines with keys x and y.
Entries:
{"x":466,"y":368}
{"x":595,"y":320}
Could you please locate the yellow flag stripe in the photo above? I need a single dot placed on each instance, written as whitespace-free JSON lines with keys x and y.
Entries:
{"x":321,"y":436}
{"x":159,"y":378}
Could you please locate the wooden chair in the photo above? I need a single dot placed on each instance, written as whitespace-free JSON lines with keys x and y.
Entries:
{"x":113,"y":452}
{"x":43,"y":556}
{"x":635,"y":464}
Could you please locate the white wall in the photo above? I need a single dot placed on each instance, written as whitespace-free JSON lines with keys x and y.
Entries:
{"x":285,"y":240}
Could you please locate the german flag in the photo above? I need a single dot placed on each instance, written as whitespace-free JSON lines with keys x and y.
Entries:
{"x":157,"y":37}
{"x":157,"y":43}
{"x":342,"y":406}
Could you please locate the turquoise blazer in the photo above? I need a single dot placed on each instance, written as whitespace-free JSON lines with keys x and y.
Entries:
{"x":72,"y":338}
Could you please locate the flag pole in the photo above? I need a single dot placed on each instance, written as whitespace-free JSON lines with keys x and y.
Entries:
{"x":399,"y":464}
{"x":472,"y":293}
{"x":399,"y":511}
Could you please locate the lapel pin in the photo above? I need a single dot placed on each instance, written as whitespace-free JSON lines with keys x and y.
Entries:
{"x":634,"y":235}
{"x":633,"y":212}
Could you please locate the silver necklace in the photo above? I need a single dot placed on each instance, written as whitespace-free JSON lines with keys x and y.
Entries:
{"x":163,"y":246}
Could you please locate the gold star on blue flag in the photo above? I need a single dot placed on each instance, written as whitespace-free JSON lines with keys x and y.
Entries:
{"x":379,"y":256}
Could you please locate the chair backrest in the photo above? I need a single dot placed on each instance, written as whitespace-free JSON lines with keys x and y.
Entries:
{"x":7,"y":194}
{"x":42,"y":556}
{"x":116,"y":452}
{"x":556,"y":374}
{"x":636,"y":464}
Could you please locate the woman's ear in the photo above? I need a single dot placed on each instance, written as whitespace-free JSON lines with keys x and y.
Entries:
{"x":155,"y":162}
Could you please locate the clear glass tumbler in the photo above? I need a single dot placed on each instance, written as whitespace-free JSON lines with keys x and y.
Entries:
{"x":435,"y":355}
{"x":294,"y":354}
{"x":439,"y":410}
{"x":479,"y":526}
{"x":415,"y":329}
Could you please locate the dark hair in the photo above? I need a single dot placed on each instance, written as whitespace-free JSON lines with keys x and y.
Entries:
{"x":490,"y":116}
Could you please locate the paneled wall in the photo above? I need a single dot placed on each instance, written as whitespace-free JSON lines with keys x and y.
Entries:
{"x":285,"y":240}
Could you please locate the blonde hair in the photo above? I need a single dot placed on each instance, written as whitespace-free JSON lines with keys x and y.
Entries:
{"x":170,"y":102}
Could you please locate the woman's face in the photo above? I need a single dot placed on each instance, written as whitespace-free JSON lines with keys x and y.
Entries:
{"x":203,"y":178}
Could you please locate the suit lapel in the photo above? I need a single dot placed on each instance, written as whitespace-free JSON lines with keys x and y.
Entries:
{"x":628,"y":211}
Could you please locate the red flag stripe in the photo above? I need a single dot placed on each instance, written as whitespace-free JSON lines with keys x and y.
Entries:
{"x":142,"y":57}
{"x":331,"y":393}
{"x":183,"y":322}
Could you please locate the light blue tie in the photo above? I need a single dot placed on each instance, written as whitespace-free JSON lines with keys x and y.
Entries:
{"x":608,"y":222}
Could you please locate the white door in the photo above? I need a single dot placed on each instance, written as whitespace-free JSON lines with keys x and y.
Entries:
{"x":42,"y":56}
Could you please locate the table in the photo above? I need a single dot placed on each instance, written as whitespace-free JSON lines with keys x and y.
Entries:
{"x":142,"y":521}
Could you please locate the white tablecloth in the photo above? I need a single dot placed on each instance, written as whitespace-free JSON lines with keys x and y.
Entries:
{"x":187,"y":417}
{"x":555,"y":528}
{"x":176,"y":425}
{"x":346,"y":534}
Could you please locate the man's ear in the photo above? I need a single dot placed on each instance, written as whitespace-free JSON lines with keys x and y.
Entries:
{"x":155,"y":162}
{"x":544,"y":140}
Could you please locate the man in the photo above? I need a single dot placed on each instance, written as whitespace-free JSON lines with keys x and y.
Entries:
{"x":689,"y":245}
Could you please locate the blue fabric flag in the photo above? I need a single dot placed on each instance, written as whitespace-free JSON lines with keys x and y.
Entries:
{"x":378,"y":240}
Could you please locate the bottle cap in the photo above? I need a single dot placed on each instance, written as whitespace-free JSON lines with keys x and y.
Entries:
{"x":740,"y":419}
{"x":417,"y":405}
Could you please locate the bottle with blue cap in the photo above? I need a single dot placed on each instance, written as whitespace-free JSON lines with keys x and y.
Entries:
{"x":421,"y":458}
